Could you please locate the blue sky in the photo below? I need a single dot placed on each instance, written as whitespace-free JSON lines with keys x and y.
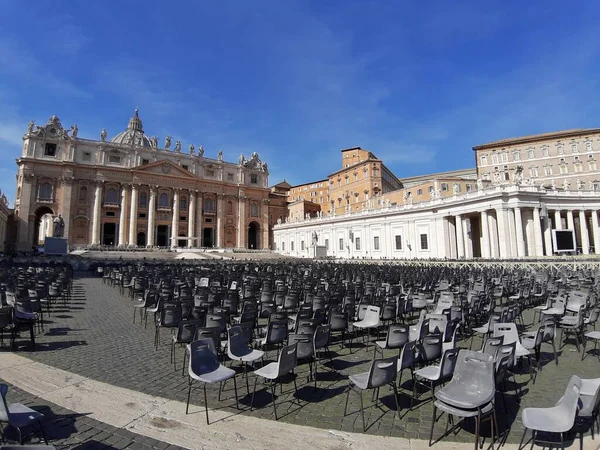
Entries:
{"x":296,"y":81}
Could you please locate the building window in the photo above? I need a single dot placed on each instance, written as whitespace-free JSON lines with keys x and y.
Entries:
{"x":142,"y":216}
{"x":145,"y":162}
{"x":545,"y":152}
{"x":419,"y":191}
{"x":292,"y":246}
{"x":398,"y":239}
{"x":210,"y":173}
{"x":163,"y":200}
{"x":302,"y":245}
{"x":357,"y":243}
{"x":112,"y":197}
{"x":114,"y":159}
{"x":183,"y":204}
{"x":83,"y":192}
{"x":506,"y":176}
{"x":592,"y":165}
{"x":563,"y":169}
{"x":589,"y":147}
{"x":533,"y":171}
{"x":229,"y":177}
{"x":578,"y":167}
{"x":504,"y":156}
{"x":375,"y":242}
{"x":561,"y":149}
{"x":495,"y":158}
{"x":517,"y":156}
{"x":185,"y":167}
{"x":253,"y":178}
{"x":424,"y":244}
{"x":254,"y":210}
{"x":209,"y":205}
{"x":531,"y":153}
{"x":143,"y":201}
{"x":283,"y":246}
{"x":444,"y":186}
{"x":595,"y":185}
{"x":341,"y":244}
{"x":468,"y":187}
{"x":45,"y":191}
{"x":574,"y":148}
{"x":483,"y":160}
{"x":326,"y":244}
{"x":110,"y":214}
{"x":229,"y":207}
{"x":50,"y":149}
{"x":548,"y":170}
{"x":87,"y":156}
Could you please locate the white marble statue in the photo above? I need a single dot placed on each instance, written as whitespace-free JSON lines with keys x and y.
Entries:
{"x":30,"y":127}
{"x":220,"y":155}
{"x":518,"y":177}
{"x":479,"y":183}
{"x":455,"y":189}
{"x":103,"y":134}
{"x":566,"y":185}
{"x":201,"y":151}
{"x":192,"y":149}
{"x":579,"y":185}
{"x":74,"y":130}
{"x":168,"y":142}
{"x":177,"y":146}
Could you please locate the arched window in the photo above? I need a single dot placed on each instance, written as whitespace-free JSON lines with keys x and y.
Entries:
{"x":46,"y":191}
{"x":143,"y":203}
{"x":112,"y":196}
{"x":83,"y":192}
{"x":254,"y":210}
{"x":183,"y":204}
{"x":209,"y":204}
{"x":163,"y":200}
{"x":229,"y":207}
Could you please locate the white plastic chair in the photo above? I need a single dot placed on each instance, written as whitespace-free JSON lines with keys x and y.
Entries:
{"x":371,"y":319}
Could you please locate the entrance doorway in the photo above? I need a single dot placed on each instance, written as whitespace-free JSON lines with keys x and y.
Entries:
{"x":162,"y":236}
{"x":253,"y":230}
{"x":182,"y":242}
{"x":208,"y":237}
{"x":109,"y":233}
{"x":42,"y":215}
{"x":141,"y":239}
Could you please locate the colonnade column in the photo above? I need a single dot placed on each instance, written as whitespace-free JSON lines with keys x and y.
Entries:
{"x":570,"y":220}
{"x":199,"y":221}
{"x":519,"y":233}
{"x":585,"y":237}
{"x":192,"y":219}
{"x":175,"y":219}
{"x":241,"y":228}
{"x":557,"y":220}
{"x":485,"y":235}
{"x":133,"y":215}
{"x":460,"y":241}
{"x":123,"y":216}
{"x":493,"y":236}
{"x":596,"y":232}
{"x":96,"y":214}
{"x":503,"y":232}
{"x":151,"y":217}
{"x":548,"y":236}
{"x":220,"y":220}
{"x":512,"y":233}
{"x":537,"y":231}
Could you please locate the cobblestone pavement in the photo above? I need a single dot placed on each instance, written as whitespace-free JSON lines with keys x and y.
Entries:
{"x":67,"y":430}
{"x":95,"y":337}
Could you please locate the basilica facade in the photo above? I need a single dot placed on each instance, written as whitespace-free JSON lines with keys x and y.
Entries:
{"x":131,"y":191}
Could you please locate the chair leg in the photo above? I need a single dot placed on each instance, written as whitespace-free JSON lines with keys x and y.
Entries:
{"x":187,"y":406}
{"x":396,"y":397}
{"x":206,"y":404}
{"x":362,"y":412}
{"x":432,"y":425}
{"x":522,"y":439}
{"x":347,"y":397}
{"x":237,"y":404}
{"x":273,"y":394}
{"x":253,"y":393}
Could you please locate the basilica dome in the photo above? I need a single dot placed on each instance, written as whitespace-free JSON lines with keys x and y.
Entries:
{"x":134,"y":134}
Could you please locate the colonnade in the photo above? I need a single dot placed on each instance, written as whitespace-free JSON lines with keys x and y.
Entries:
{"x":515,"y":232}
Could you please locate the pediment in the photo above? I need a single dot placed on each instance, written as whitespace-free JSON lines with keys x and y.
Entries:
{"x":164,"y":168}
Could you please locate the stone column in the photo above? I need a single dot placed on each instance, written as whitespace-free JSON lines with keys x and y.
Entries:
{"x":151,"y":241}
{"x":220,"y":220}
{"x":596,"y":232}
{"x":585,"y":237}
{"x":503,"y":233}
{"x":570,"y":220}
{"x":548,"y":237}
{"x":537,"y":231}
{"x":557,"y":220}
{"x":241,"y":227}
{"x":264,"y":226}
{"x":133,"y":215}
{"x":192,"y":218}
{"x":123,"y":216}
{"x":67,"y":195}
{"x":25,"y":216}
{"x":96,"y":213}
{"x":512,"y":233}
{"x":485,"y":235}
{"x":175,"y":219}
{"x":519,"y":233}
{"x":460,"y":241}
{"x":468,"y":238}
{"x":493,"y":230}
{"x":200,"y":219}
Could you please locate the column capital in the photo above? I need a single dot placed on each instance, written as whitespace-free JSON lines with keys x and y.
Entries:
{"x":98,"y":183}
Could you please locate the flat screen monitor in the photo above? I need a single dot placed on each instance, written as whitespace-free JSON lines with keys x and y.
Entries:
{"x":564,"y":240}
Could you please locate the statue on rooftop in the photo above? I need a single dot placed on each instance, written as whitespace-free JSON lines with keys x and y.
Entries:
{"x":103,"y":134}
{"x":192,"y":149}
{"x":168,"y":142}
{"x":220,"y":155}
{"x":201,"y":151}
{"x":30,"y":127}
{"x":74,"y":130}
{"x":177,"y":146}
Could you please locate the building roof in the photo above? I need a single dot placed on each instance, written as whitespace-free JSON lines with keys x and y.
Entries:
{"x":538,"y":137}
{"x":133,"y":134}
{"x":283,"y":185}
{"x":309,"y":183}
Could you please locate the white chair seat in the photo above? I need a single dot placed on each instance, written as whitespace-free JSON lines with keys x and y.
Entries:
{"x":269,"y":371}
{"x":250,"y":357}
{"x":216,"y":376}
{"x":594,"y":335}
{"x":367,"y":324}
{"x":360,"y":380}
{"x":430,"y":373}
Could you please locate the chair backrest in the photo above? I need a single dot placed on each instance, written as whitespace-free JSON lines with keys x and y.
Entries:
{"x":566,"y":407}
{"x":372,"y":315}
{"x":382,"y":372}
{"x":472,"y":383}
{"x":509,"y":350}
{"x":408,"y":356}
{"x":203,"y":358}
{"x":338,"y":321}
{"x":508,"y":330}
{"x":322,"y":336}
{"x":236,"y":342}
{"x":492,"y":344}
{"x":448,"y":363}
{"x":212,"y":333}
{"x":437,"y":323}
{"x":430,"y":348}
{"x":277,"y":332}
{"x":305,"y":348}
{"x":186,"y":332}
{"x":170,"y":315}
{"x":397,"y":336}
{"x":4,"y":411}
{"x":288,"y":359}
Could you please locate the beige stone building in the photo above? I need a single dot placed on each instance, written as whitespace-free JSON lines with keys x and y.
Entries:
{"x":5,"y":218}
{"x":564,"y":160}
{"x":131,"y":192}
